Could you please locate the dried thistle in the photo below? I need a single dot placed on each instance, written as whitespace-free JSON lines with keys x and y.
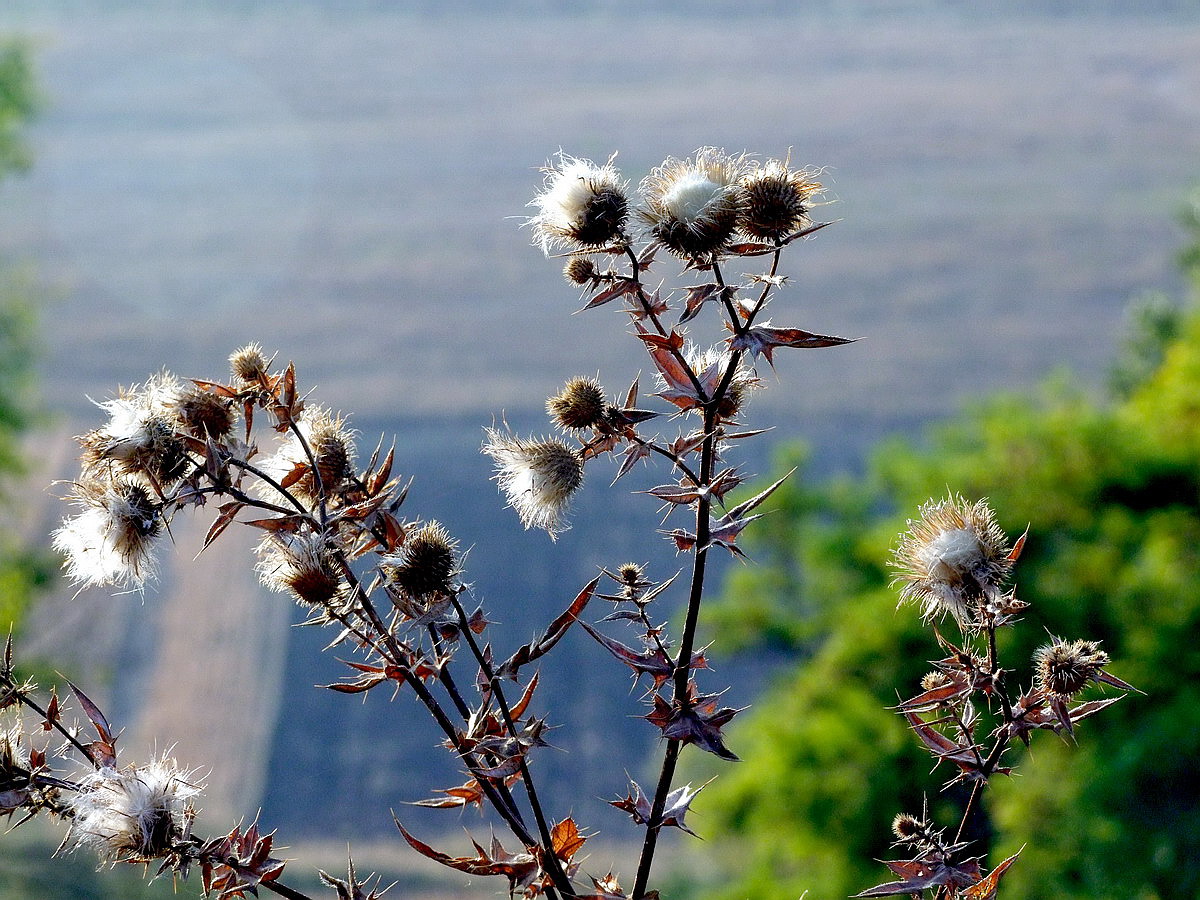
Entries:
{"x":778,"y":200}
{"x":580,"y":270}
{"x":134,"y":814}
{"x":249,"y":365}
{"x":1063,"y":670}
{"x":426,"y":563}
{"x":580,"y":404}
{"x":537,"y":476}
{"x":951,"y":559}
{"x":202,"y":413}
{"x":111,"y":542}
{"x":140,"y":438}
{"x":301,"y":563}
{"x":581,"y":206}
{"x":694,"y":206}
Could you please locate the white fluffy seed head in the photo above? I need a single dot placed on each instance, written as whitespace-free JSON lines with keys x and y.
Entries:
{"x":112,"y":541}
{"x":132,"y":814}
{"x":693,"y":206}
{"x":952,"y":560}
{"x":537,"y":476}
{"x":581,"y":205}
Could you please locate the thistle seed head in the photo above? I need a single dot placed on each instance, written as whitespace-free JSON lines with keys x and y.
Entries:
{"x":580,"y":404}
{"x":140,"y":437}
{"x":935,"y":679}
{"x":111,"y":542}
{"x":952,"y":559}
{"x":907,"y":827}
{"x":581,"y":205}
{"x":301,"y":563}
{"x":203,"y":414}
{"x":331,"y":442}
{"x":537,"y":476}
{"x":777,"y":200}
{"x":425,"y":565}
{"x":1063,"y":670}
{"x":580,"y":270}
{"x":248,"y":364}
{"x":694,"y":206}
{"x":134,"y":814}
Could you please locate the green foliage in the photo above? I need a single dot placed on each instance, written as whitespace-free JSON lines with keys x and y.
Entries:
{"x":20,"y":572}
{"x":1111,"y":492}
{"x":18,"y":102}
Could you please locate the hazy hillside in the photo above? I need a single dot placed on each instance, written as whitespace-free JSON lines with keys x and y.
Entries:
{"x":344,"y":183}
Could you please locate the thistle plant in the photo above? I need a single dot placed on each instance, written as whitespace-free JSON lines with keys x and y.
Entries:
{"x":337,"y":537}
{"x":955,"y":562}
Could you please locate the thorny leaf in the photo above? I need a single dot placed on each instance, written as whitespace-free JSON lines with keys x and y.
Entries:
{"x":633,"y":453}
{"x":930,"y":870}
{"x":469,"y":794}
{"x":554,"y":632}
{"x":680,"y":388}
{"x":52,"y":712}
{"x":935,"y":697}
{"x":697,"y":296}
{"x":647,"y":257}
{"x":298,"y":471}
{"x":652,"y":661}
{"x":696,"y":720}
{"x":1031,"y":713}
{"x":103,"y":752}
{"x":619,"y":288}
{"x":226,"y":514}
{"x":763,"y":340}
{"x":632,"y":394}
{"x":607,"y":888}
{"x":235,"y":864}
{"x":643,"y":305}
{"x":279,"y":523}
{"x":565,"y":839}
{"x":628,"y":416}
{"x":985,"y":888}
{"x":351,"y":888}
{"x":676,"y":807}
{"x":521,"y":869}
{"x":967,"y":757}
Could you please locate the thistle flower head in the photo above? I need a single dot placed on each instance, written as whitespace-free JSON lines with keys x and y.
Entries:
{"x":425,"y":564}
{"x":694,"y":206}
{"x":300,"y":563}
{"x":581,"y":205}
{"x":140,"y":437}
{"x":203,"y":414}
{"x":907,"y":827}
{"x":580,"y":404}
{"x":331,"y":443}
{"x":633,"y":581}
{"x":111,"y":541}
{"x":1063,"y":670}
{"x":248,"y":364}
{"x":778,"y":200}
{"x":951,"y":559}
{"x":709,"y":364}
{"x":537,"y":476}
{"x":133,"y":814}
{"x":580,"y":270}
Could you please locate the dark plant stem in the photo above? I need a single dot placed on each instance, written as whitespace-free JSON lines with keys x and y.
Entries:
{"x":687,"y":641}
{"x":395,"y":654}
{"x":556,"y":872}
{"x":464,"y":710}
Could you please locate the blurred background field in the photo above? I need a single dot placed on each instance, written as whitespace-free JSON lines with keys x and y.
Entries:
{"x":344,"y":183}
